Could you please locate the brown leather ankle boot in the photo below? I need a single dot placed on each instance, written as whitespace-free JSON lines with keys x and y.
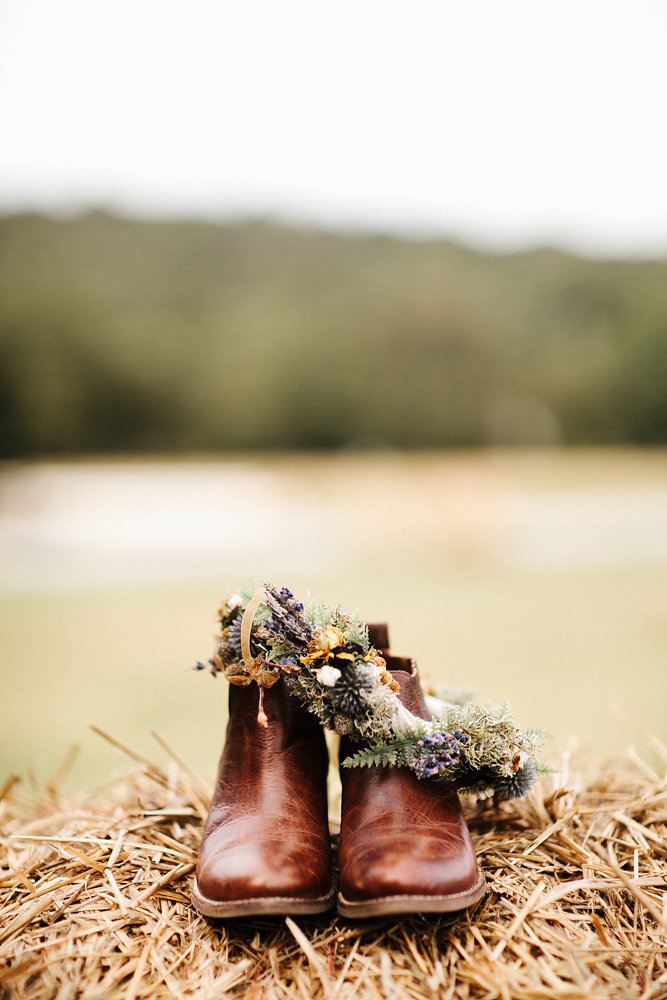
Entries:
{"x":405,"y":846}
{"x":265,"y":847}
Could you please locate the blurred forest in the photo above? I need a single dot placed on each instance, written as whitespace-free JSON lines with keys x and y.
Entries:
{"x":124,"y":335}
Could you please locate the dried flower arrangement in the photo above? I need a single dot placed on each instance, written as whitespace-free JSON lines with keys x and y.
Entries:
{"x":325,"y":658}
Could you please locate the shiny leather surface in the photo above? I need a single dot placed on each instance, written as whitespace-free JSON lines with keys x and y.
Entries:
{"x":401,"y":836}
{"x":267,"y":833}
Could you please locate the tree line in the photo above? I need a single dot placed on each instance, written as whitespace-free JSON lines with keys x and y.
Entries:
{"x":120,"y":335}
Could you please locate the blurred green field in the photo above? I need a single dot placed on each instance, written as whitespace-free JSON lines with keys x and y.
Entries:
{"x":540,"y":576}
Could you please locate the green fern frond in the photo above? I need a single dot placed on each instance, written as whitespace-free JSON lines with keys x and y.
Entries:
{"x":381,"y":757}
{"x":396,"y":753}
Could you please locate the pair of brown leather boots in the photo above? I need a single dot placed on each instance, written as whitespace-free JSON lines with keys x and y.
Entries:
{"x":404,"y":844}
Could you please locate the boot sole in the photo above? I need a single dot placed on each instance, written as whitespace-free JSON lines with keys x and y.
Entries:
{"x":260,"y":906}
{"x":392,"y":905}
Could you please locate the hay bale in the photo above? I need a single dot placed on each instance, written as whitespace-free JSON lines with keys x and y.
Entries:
{"x":94,"y":902}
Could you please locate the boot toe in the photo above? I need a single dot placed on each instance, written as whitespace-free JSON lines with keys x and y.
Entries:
{"x":258,"y":871}
{"x":425,"y":868}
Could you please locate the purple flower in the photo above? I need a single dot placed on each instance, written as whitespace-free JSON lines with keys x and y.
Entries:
{"x":438,"y":753}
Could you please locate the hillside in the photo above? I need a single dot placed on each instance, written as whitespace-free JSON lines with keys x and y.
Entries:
{"x":124,"y":335}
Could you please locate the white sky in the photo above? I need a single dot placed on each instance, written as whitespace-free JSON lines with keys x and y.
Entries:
{"x":497,"y":121}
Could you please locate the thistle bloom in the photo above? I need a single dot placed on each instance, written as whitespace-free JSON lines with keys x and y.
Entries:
{"x":519,"y":784}
{"x":347,"y":694}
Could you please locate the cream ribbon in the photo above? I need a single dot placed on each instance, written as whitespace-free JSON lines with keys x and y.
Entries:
{"x":247,"y":622}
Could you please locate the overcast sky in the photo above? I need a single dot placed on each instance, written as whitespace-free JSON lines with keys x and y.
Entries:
{"x":496,"y":121}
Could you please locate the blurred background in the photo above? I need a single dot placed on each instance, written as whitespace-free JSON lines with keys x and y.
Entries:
{"x":369,"y":300}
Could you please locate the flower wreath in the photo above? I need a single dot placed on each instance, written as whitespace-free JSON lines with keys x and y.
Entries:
{"x":327,"y":662}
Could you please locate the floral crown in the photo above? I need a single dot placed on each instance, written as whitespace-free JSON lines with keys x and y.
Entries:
{"x":326,"y":660}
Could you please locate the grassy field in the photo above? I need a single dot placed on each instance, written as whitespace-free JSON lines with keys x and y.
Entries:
{"x":539,"y":576}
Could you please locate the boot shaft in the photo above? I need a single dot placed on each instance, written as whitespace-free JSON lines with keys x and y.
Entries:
{"x":404,"y":844}
{"x":265,"y":846}
{"x":258,"y":763}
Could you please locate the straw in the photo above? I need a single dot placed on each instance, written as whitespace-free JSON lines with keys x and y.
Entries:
{"x":95,"y":902}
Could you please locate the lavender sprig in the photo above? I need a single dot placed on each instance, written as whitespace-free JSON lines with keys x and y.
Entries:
{"x":438,"y":753}
{"x":287,"y":624}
